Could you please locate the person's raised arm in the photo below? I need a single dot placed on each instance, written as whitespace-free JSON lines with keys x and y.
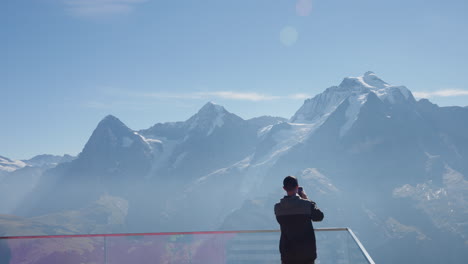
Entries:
{"x":316,"y":215}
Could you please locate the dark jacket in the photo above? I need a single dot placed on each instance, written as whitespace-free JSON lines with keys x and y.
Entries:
{"x":295,"y":216}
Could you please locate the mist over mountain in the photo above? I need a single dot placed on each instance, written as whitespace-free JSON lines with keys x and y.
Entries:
{"x":18,"y":178}
{"x":373,"y":158}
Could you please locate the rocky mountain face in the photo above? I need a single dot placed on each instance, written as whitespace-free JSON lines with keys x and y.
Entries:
{"x":374,"y":159}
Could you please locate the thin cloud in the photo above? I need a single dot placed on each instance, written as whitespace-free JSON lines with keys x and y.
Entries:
{"x":242,"y":96}
{"x":441,"y":93}
{"x":100,"y":8}
{"x":299,"y":96}
{"x":137,"y":99}
{"x":168,"y":95}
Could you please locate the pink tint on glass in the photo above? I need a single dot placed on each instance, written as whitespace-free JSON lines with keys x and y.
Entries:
{"x":165,"y":249}
{"x":56,"y":250}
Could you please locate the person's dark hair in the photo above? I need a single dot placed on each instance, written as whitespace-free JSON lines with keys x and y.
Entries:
{"x":290,"y":183}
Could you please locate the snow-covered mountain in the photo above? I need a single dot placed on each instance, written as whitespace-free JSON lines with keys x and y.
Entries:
{"x":8,"y":165}
{"x":365,"y":150}
{"x":114,"y":158}
{"x":354,"y":92}
{"x":211,"y":139}
{"x":113,"y":151}
{"x":47,"y":160}
{"x":43,"y":160}
{"x":208,"y":118}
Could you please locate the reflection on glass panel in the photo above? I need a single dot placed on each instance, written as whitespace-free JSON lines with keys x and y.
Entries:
{"x":68,"y":250}
{"x":334,"y":246}
{"x":198,"y":248}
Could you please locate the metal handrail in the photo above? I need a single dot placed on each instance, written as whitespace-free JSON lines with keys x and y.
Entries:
{"x":141,"y":234}
{"x":356,"y":240}
{"x":361,"y":247}
{"x":165,"y":233}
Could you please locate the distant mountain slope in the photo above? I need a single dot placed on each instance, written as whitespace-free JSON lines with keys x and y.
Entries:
{"x":16,"y":184}
{"x":264,"y":121}
{"x":105,"y":215}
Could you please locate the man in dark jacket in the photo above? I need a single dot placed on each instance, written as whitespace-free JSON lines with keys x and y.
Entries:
{"x":295,"y":213}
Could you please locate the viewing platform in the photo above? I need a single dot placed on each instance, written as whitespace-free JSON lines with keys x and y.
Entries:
{"x":334,"y":245}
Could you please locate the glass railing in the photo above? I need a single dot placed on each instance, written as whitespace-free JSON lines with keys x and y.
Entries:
{"x":334,"y":245}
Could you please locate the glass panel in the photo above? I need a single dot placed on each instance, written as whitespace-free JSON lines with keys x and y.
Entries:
{"x":333,"y":246}
{"x":338,"y":247}
{"x":70,"y":250}
{"x":174,"y":249}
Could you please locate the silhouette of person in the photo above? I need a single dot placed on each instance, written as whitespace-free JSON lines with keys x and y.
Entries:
{"x":295,"y":213}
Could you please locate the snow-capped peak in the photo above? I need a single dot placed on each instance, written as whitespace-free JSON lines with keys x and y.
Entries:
{"x":111,"y":133}
{"x":370,"y":82}
{"x":113,"y":127}
{"x":371,"y":79}
{"x":111,"y":120}
{"x":325,"y":103}
{"x":209,"y":117}
{"x":211,"y":109}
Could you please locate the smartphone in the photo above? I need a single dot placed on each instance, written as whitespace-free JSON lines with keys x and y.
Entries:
{"x":300,"y":190}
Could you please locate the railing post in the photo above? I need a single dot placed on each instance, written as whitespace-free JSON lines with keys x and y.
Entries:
{"x":361,"y":247}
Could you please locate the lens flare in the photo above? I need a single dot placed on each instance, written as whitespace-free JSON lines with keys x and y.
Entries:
{"x":288,"y":36}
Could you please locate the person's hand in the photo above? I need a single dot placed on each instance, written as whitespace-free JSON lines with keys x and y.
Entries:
{"x":301,"y":193}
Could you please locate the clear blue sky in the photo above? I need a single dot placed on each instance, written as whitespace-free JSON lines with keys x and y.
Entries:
{"x":65,"y":64}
